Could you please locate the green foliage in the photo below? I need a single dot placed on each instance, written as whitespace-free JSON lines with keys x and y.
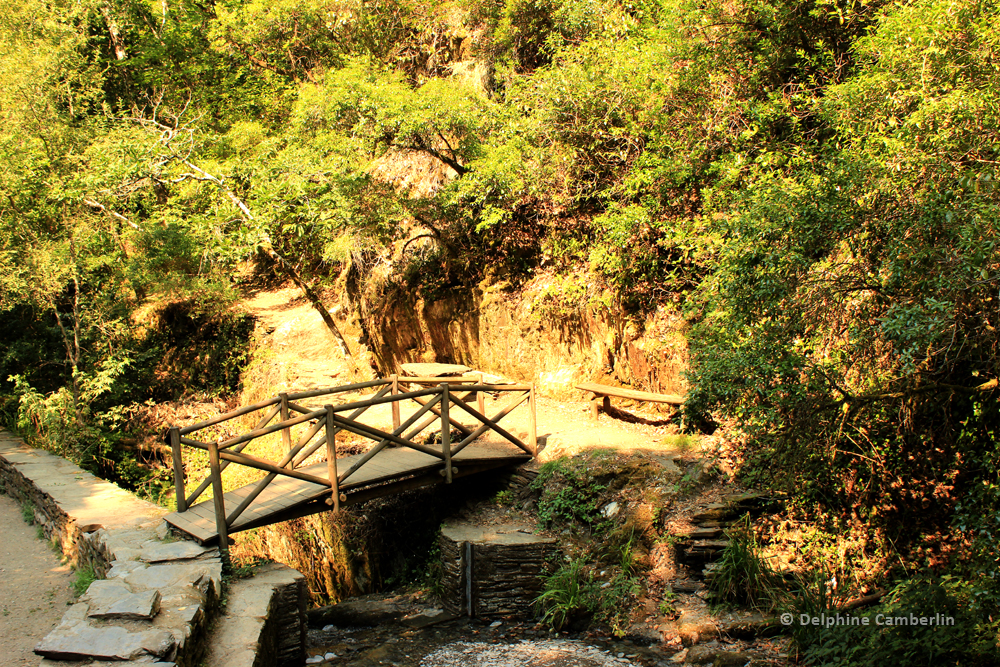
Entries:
{"x":28,"y":513}
{"x":575,"y":593}
{"x":431,"y":577}
{"x":568,"y":493}
{"x":969,"y":639}
{"x":566,"y":593}
{"x":666,"y":605}
{"x":815,"y":185}
{"x":295,"y":38}
{"x":504,"y":498}
{"x":847,"y":326}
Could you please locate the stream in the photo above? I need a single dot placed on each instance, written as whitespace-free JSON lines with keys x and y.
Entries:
{"x":464,"y":642}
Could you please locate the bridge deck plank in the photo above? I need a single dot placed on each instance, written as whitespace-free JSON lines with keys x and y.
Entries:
{"x":285,"y":492}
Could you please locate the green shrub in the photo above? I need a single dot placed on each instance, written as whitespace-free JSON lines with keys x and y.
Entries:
{"x":573,"y":593}
{"x":504,"y":498}
{"x":567,"y":594}
{"x":28,"y":513}
{"x":82,"y":580}
{"x":970,"y":641}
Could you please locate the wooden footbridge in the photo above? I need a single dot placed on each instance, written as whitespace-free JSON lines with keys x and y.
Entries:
{"x":305,"y":480}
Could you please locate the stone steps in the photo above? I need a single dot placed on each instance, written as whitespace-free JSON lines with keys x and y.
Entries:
{"x":701,"y":546}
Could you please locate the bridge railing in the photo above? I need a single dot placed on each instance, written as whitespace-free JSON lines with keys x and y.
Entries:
{"x":437,"y":398}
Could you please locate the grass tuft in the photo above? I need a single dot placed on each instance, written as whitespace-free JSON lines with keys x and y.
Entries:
{"x":28,"y":513}
{"x":742,"y":576}
{"x":82,"y":580}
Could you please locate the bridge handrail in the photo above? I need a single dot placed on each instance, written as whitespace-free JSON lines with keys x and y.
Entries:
{"x":329,"y":420}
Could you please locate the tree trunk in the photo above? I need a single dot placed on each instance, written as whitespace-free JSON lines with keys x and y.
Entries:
{"x":114,"y":33}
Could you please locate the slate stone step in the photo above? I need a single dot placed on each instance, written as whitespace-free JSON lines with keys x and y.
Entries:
{"x":750,"y":626}
{"x":76,"y":639}
{"x":688,"y":587}
{"x":697,"y":554}
{"x":109,"y":598}
{"x":703,"y":533}
{"x":712,"y":512}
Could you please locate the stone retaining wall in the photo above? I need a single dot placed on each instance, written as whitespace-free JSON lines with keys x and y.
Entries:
{"x":72,"y":505}
{"x":157,"y":594}
{"x":264,"y":622}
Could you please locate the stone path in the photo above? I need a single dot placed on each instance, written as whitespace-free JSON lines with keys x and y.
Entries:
{"x":152,"y":606}
{"x":34,"y":587}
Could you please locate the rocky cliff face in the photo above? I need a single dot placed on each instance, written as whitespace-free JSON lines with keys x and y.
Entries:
{"x":515,"y":333}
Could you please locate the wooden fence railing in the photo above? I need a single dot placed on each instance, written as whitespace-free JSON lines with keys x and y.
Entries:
{"x":437,"y":397}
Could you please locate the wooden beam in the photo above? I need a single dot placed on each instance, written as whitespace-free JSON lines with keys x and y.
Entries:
{"x":263,"y":483}
{"x":387,"y":399}
{"x":532,"y":422}
{"x":375,"y":434}
{"x":395,"y":404}
{"x":632,"y":394}
{"x":437,"y":411}
{"x":238,"y":448}
{"x":258,"y":463}
{"x":493,"y":424}
{"x":313,"y":393}
{"x":382,"y":443}
{"x":446,"y":431}
{"x":286,"y":433}
{"x":434,"y":381}
{"x":322,"y":441}
{"x":273,"y":428}
{"x":331,"y":457}
{"x":485,"y":427}
{"x":229,"y":415}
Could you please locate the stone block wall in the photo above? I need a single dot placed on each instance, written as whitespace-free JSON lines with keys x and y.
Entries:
{"x":492,"y":571}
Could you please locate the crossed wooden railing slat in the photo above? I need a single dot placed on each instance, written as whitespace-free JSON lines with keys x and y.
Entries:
{"x":436,"y":406}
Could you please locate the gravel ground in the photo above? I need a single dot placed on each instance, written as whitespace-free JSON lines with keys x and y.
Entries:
{"x":526,"y":653}
{"x":34,"y":588}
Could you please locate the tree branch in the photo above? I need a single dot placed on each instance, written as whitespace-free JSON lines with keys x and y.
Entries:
{"x":417,"y":237}
{"x":420,"y":145}
{"x":100,"y":207}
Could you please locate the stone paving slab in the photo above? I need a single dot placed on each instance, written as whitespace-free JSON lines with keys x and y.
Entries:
{"x":80,"y":494}
{"x":81,"y":641}
{"x":111,"y":598}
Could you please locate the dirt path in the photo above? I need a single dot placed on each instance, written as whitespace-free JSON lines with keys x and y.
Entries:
{"x":306,"y":356}
{"x":34,"y":588}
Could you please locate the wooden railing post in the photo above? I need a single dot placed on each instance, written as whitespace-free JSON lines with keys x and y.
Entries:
{"x":331,"y":458}
{"x":446,"y":432}
{"x":221,"y":526}
{"x":532,"y":424}
{"x":286,"y":433}
{"x":395,"y":404}
{"x":480,"y":396}
{"x":177,"y":452}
